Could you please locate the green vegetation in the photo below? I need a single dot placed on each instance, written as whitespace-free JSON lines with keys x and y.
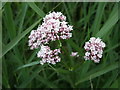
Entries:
{"x":20,"y":66}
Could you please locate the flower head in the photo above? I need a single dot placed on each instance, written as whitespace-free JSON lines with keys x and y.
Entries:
{"x":94,"y":49}
{"x":54,"y":27}
{"x":48,"y":55}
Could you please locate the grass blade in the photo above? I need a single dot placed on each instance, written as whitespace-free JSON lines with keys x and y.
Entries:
{"x":112,"y":20}
{"x":36,"y":9}
{"x":75,"y":46}
{"x":28,"y":65}
{"x":115,"y":84}
{"x":98,"y":18}
{"x":10,"y":25}
{"x":46,"y":82}
{"x":99,"y":73}
{"x":30,"y":78}
{"x":18,"y":38}
{"x":23,"y":13}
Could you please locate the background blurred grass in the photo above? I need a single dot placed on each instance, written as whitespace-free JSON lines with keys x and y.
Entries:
{"x":20,"y":66}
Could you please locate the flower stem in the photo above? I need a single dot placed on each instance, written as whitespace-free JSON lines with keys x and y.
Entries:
{"x":60,"y":44}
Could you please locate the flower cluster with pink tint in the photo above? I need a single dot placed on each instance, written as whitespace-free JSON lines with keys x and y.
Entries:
{"x":54,"y":27}
{"x":48,"y":55}
{"x":94,"y":49}
{"x":74,"y":54}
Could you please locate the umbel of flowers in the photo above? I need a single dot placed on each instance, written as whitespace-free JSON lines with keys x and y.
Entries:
{"x":94,"y":49}
{"x":54,"y":27}
{"x":48,"y":55}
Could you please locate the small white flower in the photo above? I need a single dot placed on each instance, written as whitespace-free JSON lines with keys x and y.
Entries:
{"x":74,"y":54}
{"x":92,"y":39}
{"x":97,"y":40}
{"x":93,"y":57}
{"x":86,"y":58}
{"x":99,"y":55}
{"x":103,"y":44}
{"x":87,"y":54}
{"x":97,"y":60}
{"x":94,"y":52}
{"x":92,"y":47}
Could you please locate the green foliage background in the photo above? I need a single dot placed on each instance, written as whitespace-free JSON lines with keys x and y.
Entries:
{"x":20,"y":66}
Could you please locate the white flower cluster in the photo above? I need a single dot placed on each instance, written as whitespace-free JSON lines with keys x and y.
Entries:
{"x":94,"y":49}
{"x":54,"y":27}
{"x":48,"y":55}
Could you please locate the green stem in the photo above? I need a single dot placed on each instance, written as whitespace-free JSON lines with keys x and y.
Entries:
{"x":60,"y":44}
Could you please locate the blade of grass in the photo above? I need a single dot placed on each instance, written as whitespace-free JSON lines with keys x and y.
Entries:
{"x":84,"y":69}
{"x":112,"y":20}
{"x":115,"y":46}
{"x":10,"y":25}
{"x":67,"y":12}
{"x":28,"y":65}
{"x":101,"y":72}
{"x":36,"y":9}
{"x":76,"y":47}
{"x":46,"y":82}
{"x":30,"y":78}
{"x":23,"y":13}
{"x":5,"y":81}
{"x":98,"y":17}
{"x":18,"y":38}
{"x":30,"y":19}
{"x":56,"y":6}
{"x":111,"y":79}
{"x":32,"y":56}
{"x":115,"y":84}
{"x":3,"y":4}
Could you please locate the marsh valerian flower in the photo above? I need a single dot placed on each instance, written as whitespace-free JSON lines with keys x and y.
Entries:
{"x":48,"y":55}
{"x":54,"y":27}
{"x":94,"y":49}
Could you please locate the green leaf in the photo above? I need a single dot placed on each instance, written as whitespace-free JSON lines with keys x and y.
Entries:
{"x":18,"y":38}
{"x":23,"y":13}
{"x":75,"y":46}
{"x":115,"y":83}
{"x":30,"y":78}
{"x":112,"y":48}
{"x":111,"y":79}
{"x":46,"y":82}
{"x":99,"y":73}
{"x":36,"y":9}
{"x":28,"y":65}
{"x":9,"y":22}
{"x":98,"y":17}
{"x":112,"y":20}
{"x":67,"y":12}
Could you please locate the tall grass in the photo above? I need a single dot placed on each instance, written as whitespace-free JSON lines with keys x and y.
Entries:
{"x":20,"y":66}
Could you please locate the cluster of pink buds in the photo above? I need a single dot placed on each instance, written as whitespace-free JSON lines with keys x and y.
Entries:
{"x":94,"y":49}
{"x":54,"y":27}
{"x":48,"y":55}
